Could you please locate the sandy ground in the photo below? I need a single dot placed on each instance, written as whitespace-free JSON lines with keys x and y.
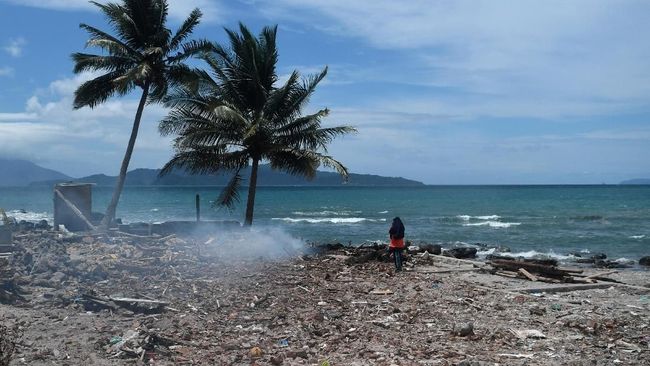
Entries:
{"x":224,"y":309}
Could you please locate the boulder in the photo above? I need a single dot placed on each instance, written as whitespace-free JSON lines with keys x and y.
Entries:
{"x":431,"y":248}
{"x":464,"y":329}
{"x":461,"y":252}
{"x":645,"y":261}
{"x":590,"y":258}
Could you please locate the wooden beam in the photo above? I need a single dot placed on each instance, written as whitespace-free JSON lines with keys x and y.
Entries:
{"x":564,"y":288}
{"x":515,"y":265}
{"x":455,"y":261}
{"x":75,"y":210}
{"x":527,"y":274}
{"x":444,"y":270}
{"x":596,"y":275}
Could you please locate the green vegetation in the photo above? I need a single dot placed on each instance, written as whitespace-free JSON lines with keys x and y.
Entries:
{"x":142,"y":54}
{"x":235,"y":116}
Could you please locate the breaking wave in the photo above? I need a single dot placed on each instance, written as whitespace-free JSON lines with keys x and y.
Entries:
{"x":329,"y":220}
{"x":636,"y":236}
{"x":326,"y":213}
{"x":494,"y":224}
{"x":486,"y":217}
{"x":21,"y":215}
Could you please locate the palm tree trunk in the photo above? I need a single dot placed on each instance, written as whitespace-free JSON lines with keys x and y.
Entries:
{"x":112,"y":206}
{"x":250,"y":204}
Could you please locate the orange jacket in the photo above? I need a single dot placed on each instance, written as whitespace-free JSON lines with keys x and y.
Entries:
{"x":397,"y":243}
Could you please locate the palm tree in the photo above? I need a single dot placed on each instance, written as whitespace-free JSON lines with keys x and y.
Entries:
{"x":142,"y":54}
{"x":235,"y":117}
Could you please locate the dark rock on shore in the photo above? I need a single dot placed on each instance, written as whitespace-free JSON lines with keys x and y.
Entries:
{"x":589,"y":258}
{"x":544,"y":262}
{"x":431,"y":248}
{"x":461,"y":252}
{"x":645,"y":261}
{"x":498,"y":248}
{"x":601,"y":263}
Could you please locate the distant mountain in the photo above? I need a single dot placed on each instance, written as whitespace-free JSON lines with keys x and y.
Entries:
{"x":636,"y":181}
{"x":266,"y":177}
{"x":23,"y":172}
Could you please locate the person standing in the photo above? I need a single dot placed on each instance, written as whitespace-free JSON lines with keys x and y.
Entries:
{"x":396,"y":246}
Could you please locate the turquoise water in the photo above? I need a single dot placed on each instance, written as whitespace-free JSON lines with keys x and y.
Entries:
{"x":528,"y":219}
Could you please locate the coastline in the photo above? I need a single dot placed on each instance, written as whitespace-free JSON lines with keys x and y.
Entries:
{"x":224,"y":304}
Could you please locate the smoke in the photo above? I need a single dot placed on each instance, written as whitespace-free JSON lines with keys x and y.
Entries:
{"x":263,"y":243}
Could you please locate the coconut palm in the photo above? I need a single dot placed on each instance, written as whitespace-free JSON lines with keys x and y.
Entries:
{"x":143,"y":54}
{"x":235,"y":117}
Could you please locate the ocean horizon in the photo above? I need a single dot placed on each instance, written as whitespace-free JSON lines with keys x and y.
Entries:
{"x":531,"y":220}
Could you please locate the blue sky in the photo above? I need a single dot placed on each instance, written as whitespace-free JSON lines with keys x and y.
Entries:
{"x":446,"y":92}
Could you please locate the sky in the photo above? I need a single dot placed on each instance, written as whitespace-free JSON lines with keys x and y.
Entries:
{"x":445,"y":92}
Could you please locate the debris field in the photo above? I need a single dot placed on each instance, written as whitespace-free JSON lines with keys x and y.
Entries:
{"x":120,"y":299}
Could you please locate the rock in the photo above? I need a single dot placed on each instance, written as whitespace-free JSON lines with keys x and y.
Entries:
{"x":255,"y":352}
{"x":431,"y":248}
{"x":473,"y":363}
{"x":645,"y":261}
{"x":537,"y":310}
{"x":600,"y":263}
{"x":589,"y":258}
{"x":57,"y":277}
{"x":461,"y":252}
{"x":464,"y":329}
{"x":42,"y":225}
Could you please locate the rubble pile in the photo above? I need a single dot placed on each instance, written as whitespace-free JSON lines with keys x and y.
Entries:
{"x":122,"y":299}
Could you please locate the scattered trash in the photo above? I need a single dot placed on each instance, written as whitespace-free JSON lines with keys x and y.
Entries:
{"x":255,"y":352}
{"x":381,"y":292}
{"x":527,"y":333}
{"x":173,"y":300}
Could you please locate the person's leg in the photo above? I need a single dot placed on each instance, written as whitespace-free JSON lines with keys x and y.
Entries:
{"x":398,"y":259}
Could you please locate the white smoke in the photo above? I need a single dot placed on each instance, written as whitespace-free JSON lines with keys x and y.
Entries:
{"x":264,"y":243}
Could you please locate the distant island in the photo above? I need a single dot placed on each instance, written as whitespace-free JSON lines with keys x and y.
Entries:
{"x":23,"y":173}
{"x":637,"y":181}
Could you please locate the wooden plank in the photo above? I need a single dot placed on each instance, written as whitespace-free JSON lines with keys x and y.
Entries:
{"x":515,"y":265}
{"x":6,"y":248}
{"x":443,"y":270}
{"x":455,"y":261}
{"x":596,"y":275}
{"x":508,"y":274}
{"x":527,"y":274}
{"x":564,"y":288}
{"x":75,"y":210}
{"x":140,"y":301}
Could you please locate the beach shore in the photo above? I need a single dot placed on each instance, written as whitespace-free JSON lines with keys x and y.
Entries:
{"x":114,"y":299}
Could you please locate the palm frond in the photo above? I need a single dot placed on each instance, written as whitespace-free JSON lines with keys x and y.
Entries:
{"x":105,"y":41}
{"x":95,"y":91}
{"x":229,"y":196}
{"x":294,"y":162}
{"x":186,"y":29}
{"x":88,"y":62}
{"x":298,"y":98}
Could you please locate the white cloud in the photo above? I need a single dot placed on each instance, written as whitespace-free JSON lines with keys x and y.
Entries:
{"x":17,"y":117}
{"x":178,"y":9}
{"x":542,"y":58}
{"x":86,"y":140}
{"x":15,"y":47}
{"x":6,"y":71}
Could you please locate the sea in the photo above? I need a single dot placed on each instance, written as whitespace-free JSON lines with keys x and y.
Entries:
{"x":557,"y":221}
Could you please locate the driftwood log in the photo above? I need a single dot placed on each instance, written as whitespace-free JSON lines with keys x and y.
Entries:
{"x":513,"y":265}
